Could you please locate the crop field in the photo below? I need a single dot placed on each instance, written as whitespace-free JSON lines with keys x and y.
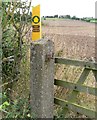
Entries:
{"x":74,"y":40}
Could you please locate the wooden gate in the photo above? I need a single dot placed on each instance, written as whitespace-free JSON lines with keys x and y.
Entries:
{"x":69,"y":103}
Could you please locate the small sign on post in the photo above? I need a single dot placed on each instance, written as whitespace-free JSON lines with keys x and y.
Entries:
{"x":36,"y":23}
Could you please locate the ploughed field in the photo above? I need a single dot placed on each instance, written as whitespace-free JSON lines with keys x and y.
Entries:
{"x":72,"y":38}
{"x":75,"y":40}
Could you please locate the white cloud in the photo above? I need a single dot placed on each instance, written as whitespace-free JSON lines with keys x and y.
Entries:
{"x":80,"y":8}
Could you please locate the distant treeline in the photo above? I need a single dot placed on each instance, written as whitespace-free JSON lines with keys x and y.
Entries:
{"x":87,"y":19}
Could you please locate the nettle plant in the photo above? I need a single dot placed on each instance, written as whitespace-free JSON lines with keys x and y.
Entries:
{"x":16,"y":22}
{"x":15,"y":25}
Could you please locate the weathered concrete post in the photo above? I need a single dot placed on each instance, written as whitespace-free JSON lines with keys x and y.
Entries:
{"x":42,"y":78}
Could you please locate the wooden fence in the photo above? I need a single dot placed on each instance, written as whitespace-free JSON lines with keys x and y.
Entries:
{"x":42,"y":82}
{"x":76,"y":87}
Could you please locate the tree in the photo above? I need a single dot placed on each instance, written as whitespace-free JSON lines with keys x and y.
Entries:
{"x":74,"y":17}
{"x":68,"y":16}
{"x":55,"y":16}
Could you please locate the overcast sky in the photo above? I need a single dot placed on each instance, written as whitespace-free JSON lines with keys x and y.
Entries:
{"x":79,"y":8}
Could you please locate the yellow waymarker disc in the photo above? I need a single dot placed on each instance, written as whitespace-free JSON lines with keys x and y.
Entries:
{"x":36,"y":23}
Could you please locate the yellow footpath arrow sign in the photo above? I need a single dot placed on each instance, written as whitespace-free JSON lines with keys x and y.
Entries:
{"x":36,"y":23}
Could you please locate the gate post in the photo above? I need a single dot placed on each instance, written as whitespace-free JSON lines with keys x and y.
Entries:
{"x":42,"y":78}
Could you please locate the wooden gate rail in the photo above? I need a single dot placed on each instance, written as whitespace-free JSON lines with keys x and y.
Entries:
{"x":76,"y":87}
{"x":75,"y":107}
{"x":85,"y":64}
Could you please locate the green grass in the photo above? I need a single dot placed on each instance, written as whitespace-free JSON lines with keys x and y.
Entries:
{"x":55,"y":19}
{"x":50,"y":18}
{"x":93,"y":21}
{"x":87,"y":20}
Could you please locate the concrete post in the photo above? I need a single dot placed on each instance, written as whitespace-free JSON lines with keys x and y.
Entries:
{"x":42,"y":78}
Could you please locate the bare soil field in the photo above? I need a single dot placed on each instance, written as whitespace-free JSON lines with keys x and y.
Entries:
{"x":76,"y":40}
{"x":73,"y":39}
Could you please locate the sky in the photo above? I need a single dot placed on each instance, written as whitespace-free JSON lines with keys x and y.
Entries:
{"x":79,"y":8}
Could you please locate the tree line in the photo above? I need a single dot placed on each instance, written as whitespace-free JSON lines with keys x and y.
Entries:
{"x":87,"y":19}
